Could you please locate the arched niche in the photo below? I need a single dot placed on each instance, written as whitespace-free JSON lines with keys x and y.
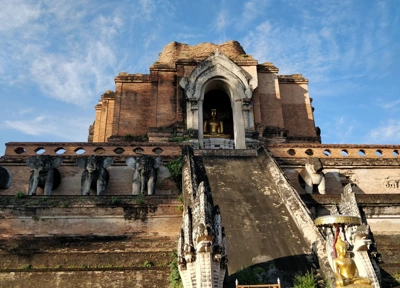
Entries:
{"x":218,"y":72}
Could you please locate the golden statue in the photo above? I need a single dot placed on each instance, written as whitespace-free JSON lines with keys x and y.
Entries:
{"x":213,"y":126}
{"x":346,"y":272}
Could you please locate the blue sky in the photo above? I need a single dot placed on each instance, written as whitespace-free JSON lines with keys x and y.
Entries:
{"x":58,"y":57}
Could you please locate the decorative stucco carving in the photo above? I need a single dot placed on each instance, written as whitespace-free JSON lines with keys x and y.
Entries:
{"x":217,"y":64}
{"x":201,"y":247}
{"x":312,"y":175}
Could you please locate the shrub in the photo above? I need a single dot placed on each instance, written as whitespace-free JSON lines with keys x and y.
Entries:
{"x":175,"y":168}
{"x":305,"y":281}
{"x":247,"y":276}
{"x":148,"y":264}
{"x":140,"y":199}
{"x":26,"y":266}
{"x":20,"y":194}
{"x":175,"y":280}
{"x":115,"y":200}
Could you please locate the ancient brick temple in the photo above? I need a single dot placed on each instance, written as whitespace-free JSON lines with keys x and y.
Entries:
{"x":251,"y":100}
{"x":212,"y":156}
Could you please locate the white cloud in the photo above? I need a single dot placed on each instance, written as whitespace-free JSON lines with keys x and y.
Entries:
{"x":68,"y":128}
{"x":17,"y":13}
{"x":221,"y":21}
{"x":388,"y":105}
{"x":388,"y":132}
{"x":251,"y":10}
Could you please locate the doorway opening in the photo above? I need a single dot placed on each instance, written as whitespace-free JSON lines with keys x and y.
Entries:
{"x":220,"y":101}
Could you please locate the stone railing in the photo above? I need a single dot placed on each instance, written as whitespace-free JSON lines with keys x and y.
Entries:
{"x":334,"y":151}
{"x":19,"y":149}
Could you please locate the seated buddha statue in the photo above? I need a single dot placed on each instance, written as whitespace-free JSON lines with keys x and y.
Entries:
{"x":213,"y":126}
{"x":346,"y":272}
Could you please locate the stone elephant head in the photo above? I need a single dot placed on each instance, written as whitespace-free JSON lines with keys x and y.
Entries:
{"x":95,"y":175}
{"x":45,"y":173}
{"x":312,"y":175}
{"x":145,"y":174}
{"x":5,"y":178}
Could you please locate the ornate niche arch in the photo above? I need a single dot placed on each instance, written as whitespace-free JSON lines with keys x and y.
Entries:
{"x":217,"y":71}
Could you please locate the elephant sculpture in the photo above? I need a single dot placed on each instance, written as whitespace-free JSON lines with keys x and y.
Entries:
{"x":45,"y":173}
{"x":5,"y":178}
{"x":145,"y":174}
{"x":95,"y":176}
{"x":312,"y":175}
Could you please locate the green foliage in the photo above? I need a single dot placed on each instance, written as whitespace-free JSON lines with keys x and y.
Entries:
{"x":248,"y":276}
{"x":258,"y":270}
{"x":179,"y":139}
{"x":327,"y":284}
{"x":26,"y":266}
{"x":140,"y":199}
{"x":181,"y":200}
{"x":115,"y":200}
{"x":65,"y":204}
{"x":175,"y":280}
{"x":307,"y":280}
{"x":20,"y":194}
{"x":148,"y":264}
{"x":175,"y":168}
{"x":397,"y":276}
{"x":58,"y":266}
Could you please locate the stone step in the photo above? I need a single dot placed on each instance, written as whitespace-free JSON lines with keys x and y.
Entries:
{"x":389,"y":248}
{"x":85,"y":260}
{"x":59,"y":244}
{"x":86,"y":278}
{"x":90,"y":251}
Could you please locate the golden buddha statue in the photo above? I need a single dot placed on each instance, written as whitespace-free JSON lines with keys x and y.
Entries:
{"x":213,"y":126}
{"x":346,"y":272}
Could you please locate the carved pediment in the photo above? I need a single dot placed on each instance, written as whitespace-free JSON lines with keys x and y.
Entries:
{"x":217,"y":65}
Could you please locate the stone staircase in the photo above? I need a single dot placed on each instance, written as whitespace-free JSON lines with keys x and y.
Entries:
{"x":260,"y":229}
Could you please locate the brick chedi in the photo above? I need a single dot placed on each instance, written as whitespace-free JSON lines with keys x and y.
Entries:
{"x":187,"y":82}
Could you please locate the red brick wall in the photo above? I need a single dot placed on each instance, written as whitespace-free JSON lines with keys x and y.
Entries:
{"x":297,"y":114}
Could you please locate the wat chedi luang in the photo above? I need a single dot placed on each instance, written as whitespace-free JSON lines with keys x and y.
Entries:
{"x":212,"y":155}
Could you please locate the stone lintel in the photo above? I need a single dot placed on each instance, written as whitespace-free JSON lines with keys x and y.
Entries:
{"x":162,"y":67}
{"x":225,"y":152}
{"x":245,"y":62}
{"x":267,"y":67}
{"x":124,"y":77}
{"x":294,"y":78}
{"x":188,"y":61}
